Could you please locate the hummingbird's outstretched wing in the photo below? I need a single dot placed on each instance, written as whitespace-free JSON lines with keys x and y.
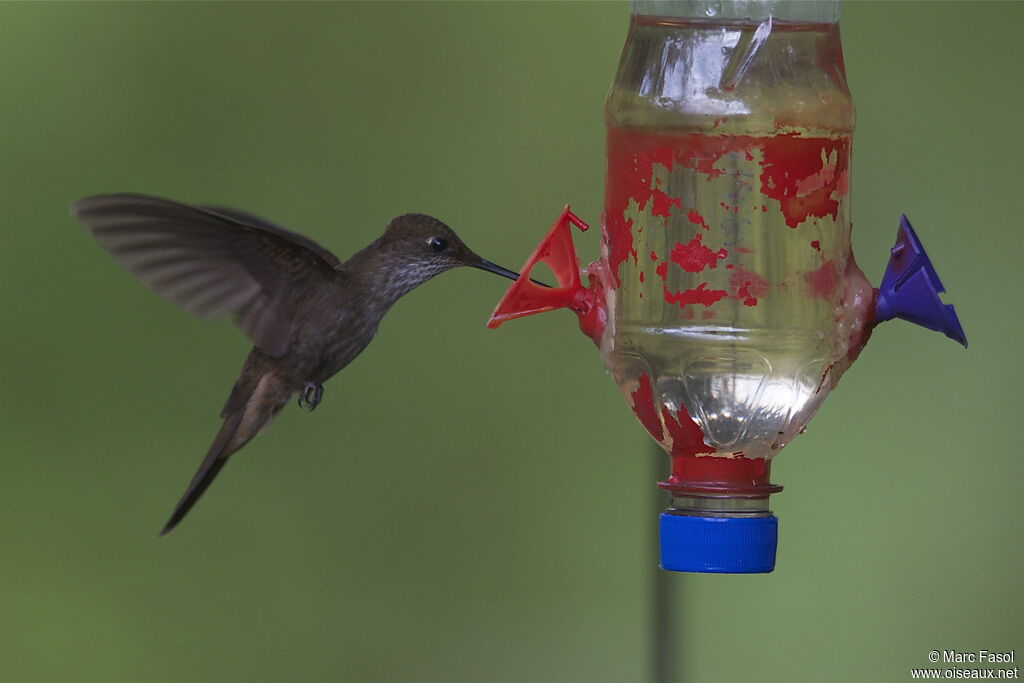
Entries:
{"x":210,"y":261}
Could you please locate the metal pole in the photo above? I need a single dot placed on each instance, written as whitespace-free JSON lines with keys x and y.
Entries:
{"x":664,"y":641}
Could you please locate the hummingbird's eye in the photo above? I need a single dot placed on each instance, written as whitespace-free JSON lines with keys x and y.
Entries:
{"x":437,"y":244}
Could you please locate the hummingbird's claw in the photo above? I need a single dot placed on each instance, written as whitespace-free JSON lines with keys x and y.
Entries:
{"x":310,"y":397}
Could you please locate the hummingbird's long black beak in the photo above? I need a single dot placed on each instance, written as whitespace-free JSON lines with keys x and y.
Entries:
{"x":484,"y":264}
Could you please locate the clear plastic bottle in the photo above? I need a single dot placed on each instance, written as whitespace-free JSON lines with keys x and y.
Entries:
{"x":736,"y":303}
{"x":727,"y":303}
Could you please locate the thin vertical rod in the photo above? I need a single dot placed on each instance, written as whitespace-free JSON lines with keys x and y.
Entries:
{"x":664,"y":640}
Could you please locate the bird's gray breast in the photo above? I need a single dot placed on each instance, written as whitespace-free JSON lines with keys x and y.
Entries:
{"x":331,"y":329}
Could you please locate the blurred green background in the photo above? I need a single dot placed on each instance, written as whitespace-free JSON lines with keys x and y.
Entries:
{"x":470,"y":505}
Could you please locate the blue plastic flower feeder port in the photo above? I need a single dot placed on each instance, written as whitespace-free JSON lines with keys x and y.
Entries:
{"x":910,"y":288}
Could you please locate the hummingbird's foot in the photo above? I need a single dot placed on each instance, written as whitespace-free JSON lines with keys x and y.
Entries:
{"x":310,"y":397}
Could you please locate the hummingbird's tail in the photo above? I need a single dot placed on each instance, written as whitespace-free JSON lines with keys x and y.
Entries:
{"x":254,"y":401}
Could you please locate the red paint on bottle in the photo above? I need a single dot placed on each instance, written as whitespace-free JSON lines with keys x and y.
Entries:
{"x":843,"y":183}
{"x":747,"y":285}
{"x":630,"y":173}
{"x":654,"y":255}
{"x":662,"y":203}
{"x":697,"y":219}
{"x":662,"y":156}
{"x":807,"y":176}
{"x":803,"y":174}
{"x":618,"y":235}
{"x":698,"y":295}
{"x":687,"y":437}
{"x":816,"y":245}
{"x":662,"y":270}
{"x":822,"y":282}
{"x":641,"y":280}
{"x":644,"y":408}
{"x":694,"y":257}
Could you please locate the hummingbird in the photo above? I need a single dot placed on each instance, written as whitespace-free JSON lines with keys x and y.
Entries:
{"x":307,"y":313}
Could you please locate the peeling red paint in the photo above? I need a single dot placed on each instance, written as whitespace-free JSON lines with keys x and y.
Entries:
{"x":698,"y":295}
{"x":662,"y":270}
{"x":629,"y":177}
{"x":803,"y":175}
{"x":641,"y":277}
{"x":654,"y":255}
{"x":747,"y":285}
{"x":807,"y":176}
{"x":644,"y":408}
{"x":694,"y":257}
{"x":696,"y":219}
{"x":687,"y":437}
{"x":843,"y":183}
{"x":816,"y":245}
{"x":620,"y":246}
{"x":662,"y":156}
{"x":822,"y":281}
{"x":662,"y":203}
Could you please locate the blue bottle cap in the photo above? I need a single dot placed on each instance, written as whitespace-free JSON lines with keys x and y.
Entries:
{"x":718,"y":545}
{"x":910,"y":288}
